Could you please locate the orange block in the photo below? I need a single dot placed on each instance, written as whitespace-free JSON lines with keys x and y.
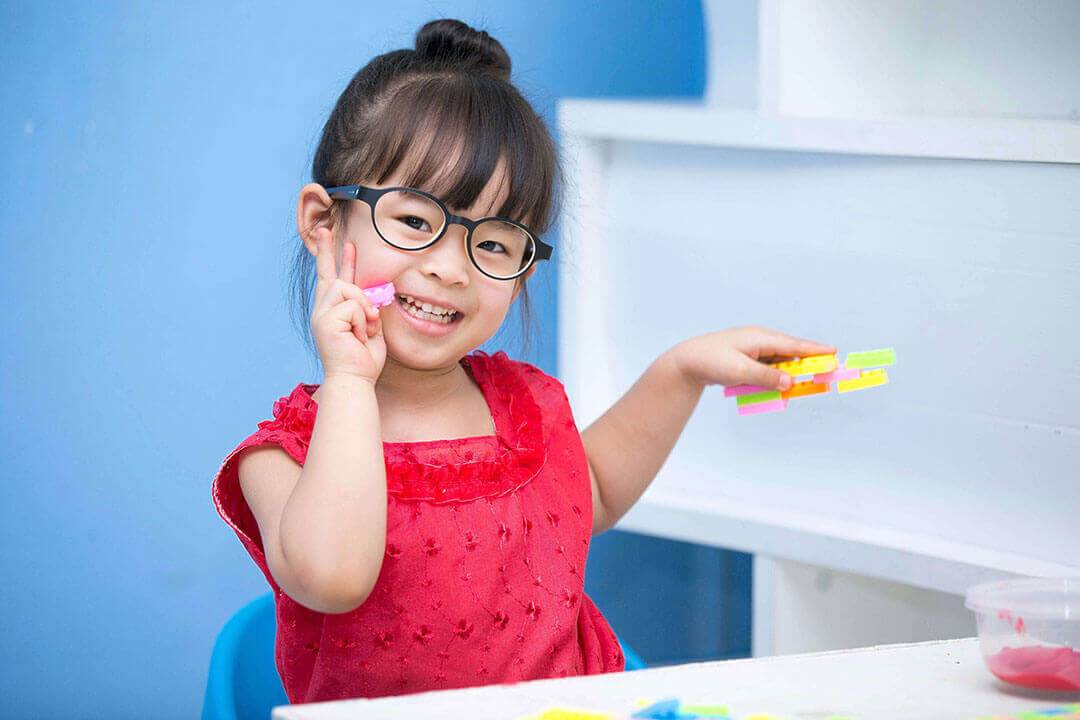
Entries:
{"x":802,"y":389}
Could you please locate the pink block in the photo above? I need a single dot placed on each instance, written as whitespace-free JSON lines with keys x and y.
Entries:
{"x":380,"y":295}
{"x":765,"y":407}
{"x":737,"y":390}
{"x":840,"y":373}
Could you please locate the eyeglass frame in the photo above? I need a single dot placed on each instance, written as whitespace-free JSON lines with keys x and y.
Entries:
{"x":369,"y":195}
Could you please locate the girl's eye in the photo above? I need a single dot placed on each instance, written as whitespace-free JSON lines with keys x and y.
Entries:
{"x":416,"y":223}
{"x":492,"y":246}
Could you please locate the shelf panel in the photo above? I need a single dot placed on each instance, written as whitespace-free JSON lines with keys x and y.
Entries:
{"x":694,"y":123}
{"x":871,"y":550}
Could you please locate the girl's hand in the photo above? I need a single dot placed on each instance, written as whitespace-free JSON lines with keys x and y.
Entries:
{"x":346,"y":327}
{"x":739,"y":356}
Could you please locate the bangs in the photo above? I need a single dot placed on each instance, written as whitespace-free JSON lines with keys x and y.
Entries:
{"x":446,"y":134}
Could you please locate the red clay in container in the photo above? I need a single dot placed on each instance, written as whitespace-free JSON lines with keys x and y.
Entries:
{"x":1044,"y":668}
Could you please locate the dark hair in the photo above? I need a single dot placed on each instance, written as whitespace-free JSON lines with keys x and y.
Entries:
{"x":451,"y":96}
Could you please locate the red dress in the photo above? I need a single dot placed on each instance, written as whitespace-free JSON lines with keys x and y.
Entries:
{"x":486,"y":540}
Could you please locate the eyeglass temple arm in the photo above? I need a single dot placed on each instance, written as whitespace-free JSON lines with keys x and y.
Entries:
{"x":543,"y":250}
{"x":345,"y":192}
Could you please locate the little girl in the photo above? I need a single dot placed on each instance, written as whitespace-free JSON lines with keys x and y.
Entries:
{"x":423,"y":515}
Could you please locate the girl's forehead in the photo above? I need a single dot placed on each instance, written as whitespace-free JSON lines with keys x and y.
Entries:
{"x":448,"y":174}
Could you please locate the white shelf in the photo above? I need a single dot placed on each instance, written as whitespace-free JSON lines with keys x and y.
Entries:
{"x":863,"y":549}
{"x":694,"y":123}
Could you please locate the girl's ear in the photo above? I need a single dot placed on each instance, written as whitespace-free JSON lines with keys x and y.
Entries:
{"x":313,"y":216}
{"x":519,"y":284}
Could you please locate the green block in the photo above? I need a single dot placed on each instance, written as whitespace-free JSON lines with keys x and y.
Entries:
{"x":707,"y":711}
{"x":870,"y":359}
{"x":757,"y":397}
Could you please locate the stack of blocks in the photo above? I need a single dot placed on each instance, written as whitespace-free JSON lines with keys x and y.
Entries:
{"x":673,"y":709}
{"x":861,"y":370}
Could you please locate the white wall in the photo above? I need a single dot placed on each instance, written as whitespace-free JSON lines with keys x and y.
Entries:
{"x":843,"y":58}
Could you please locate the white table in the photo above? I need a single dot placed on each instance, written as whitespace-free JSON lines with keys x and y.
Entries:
{"x":921,"y":681}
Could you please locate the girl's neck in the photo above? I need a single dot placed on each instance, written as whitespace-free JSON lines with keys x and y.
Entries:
{"x":409,"y":390}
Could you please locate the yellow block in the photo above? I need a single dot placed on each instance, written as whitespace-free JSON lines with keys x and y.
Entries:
{"x":569,"y":714}
{"x":811,"y":365}
{"x":804,"y":388}
{"x":866,"y":379}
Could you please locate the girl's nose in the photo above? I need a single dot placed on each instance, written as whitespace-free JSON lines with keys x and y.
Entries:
{"x":447,"y":259}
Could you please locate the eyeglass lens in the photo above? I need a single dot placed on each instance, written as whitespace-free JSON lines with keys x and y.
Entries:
{"x":411,"y":221}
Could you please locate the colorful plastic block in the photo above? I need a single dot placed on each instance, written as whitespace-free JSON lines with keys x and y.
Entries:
{"x":867,"y":379}
{"x":760,"y":397}
{"x":571,"y":714}
{"x":763,"y":407}
{"x":870,"y":358}
{"x":802,"y":389}
{"x":739,"y":390}
{"x":840,"y":373}
{"x":1064,"y":712}
{"x":661,"y":710}
{"x":380,"y":295}
{"x":811,"y":365}
{"x":720,"y":712}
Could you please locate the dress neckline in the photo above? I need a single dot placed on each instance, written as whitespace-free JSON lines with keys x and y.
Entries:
{"x":461,"y":469}
{"x":482,"y":378}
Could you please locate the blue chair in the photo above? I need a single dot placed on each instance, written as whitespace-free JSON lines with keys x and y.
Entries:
{"x":244,"y":682}
{"x":633,"y":660}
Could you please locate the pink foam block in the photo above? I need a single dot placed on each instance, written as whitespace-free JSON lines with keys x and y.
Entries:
{"x":737,"y":390}
{"x":840,"y":373}
{"x":380,"y":295}
{"x":765,"y":407}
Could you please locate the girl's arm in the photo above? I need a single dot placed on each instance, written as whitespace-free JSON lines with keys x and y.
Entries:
{"x":323,"y":526}
{"x":628,"y":444}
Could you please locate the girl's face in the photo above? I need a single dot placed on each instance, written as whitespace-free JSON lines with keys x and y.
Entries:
{"x":441,"y":275}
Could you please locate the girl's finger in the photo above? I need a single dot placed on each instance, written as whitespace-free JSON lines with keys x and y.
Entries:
{"x":811,"y":347}
{"x":358,"y":320}
{"x":325,"y":272}
{"x":757,"y":373}
{"x":324,"y":258}
{"x":354,"y":279}
{"x":338,"y":291}
{"x":374,"y":322}
{"x":776,"y":344}
{"x":348,"y":263}
{"x":349,"y":313}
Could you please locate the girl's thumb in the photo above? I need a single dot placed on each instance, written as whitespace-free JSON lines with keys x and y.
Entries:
{"x":761,"y":374}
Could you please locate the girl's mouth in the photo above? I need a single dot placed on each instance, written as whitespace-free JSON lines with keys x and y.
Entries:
{"x":434,"y":321}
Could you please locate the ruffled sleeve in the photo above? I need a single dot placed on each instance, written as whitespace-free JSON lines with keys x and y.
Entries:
{"x":290,"y":429}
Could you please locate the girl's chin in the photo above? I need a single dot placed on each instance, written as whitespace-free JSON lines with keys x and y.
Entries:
{"x":423,"y":356}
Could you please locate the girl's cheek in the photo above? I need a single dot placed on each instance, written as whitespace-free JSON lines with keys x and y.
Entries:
{"x":374,"y":266}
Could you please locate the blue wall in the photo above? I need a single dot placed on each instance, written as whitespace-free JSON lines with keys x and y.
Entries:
{"x":150,"y":161}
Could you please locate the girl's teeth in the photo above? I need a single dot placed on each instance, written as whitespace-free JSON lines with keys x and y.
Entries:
{"x":426,"y":314}
{"x":428,"y":307}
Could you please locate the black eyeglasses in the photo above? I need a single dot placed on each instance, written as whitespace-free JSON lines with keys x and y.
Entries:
{"x":411,"y":219}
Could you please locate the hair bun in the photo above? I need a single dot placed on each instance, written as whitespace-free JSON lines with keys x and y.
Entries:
{"x":453,"y":43}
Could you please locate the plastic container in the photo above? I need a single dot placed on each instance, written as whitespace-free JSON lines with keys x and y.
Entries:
{"x":1029,"y":631}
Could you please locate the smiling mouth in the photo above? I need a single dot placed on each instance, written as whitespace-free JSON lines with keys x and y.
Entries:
{"x":440,"y":316}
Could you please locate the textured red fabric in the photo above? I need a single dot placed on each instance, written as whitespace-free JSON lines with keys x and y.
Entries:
{"x":483,"y":579}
